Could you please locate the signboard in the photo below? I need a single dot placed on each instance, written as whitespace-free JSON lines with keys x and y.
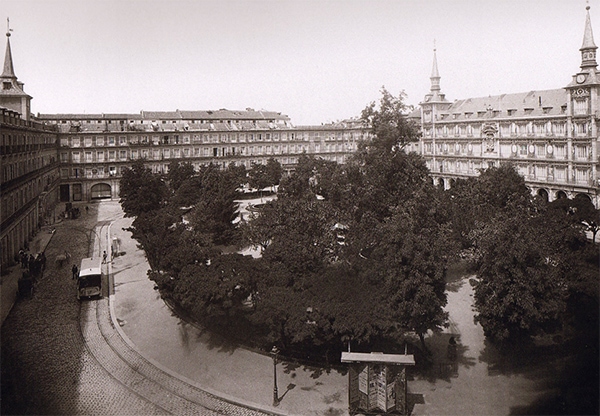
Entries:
{"x":377,"y":383}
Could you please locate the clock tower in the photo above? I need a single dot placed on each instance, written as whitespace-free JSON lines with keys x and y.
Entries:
{"x":583,"y":110}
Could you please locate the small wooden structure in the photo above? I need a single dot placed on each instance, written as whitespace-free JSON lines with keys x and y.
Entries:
{"x":377,"y":383}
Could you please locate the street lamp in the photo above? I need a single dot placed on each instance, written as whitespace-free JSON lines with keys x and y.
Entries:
{"x":274,"y":353}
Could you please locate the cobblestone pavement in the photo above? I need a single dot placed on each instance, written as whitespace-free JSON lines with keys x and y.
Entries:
{"x":60,"y":356}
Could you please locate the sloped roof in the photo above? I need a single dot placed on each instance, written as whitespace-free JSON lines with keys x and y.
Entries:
{"x":525,"y":104}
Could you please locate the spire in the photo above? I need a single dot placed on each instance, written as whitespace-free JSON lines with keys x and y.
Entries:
{"x":9,"y":71}
{"x":588,"y":48}
{"x":435,"y":75}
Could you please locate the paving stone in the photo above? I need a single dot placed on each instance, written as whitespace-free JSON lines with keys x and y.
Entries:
{"x":60,"y":356}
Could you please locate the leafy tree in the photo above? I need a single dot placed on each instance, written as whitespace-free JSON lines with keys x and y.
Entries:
{"x":215,"y":207}
{"x":178,"y":173}
{"x":520,"y":291}
{"x":580,"y":212}
{"x":140,"y":190}
{"x":273,"y":171}
{"x":217,"y":289}
{"x":258,"y":176}
{"x":388,"y":123}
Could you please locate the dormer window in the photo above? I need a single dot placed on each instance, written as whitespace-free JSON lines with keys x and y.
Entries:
{"x":528,"y":111}
{"x":546,"y":110}
{"x":6,"y":85}
{"x":511,"y":112}
{"x":480,"y":114}
{"x":468,"y":115}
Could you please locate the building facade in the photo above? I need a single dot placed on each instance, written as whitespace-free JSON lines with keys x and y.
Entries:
{"x":94,"y":149}
{"x":551,"y":136}
{"x":29,"y":170}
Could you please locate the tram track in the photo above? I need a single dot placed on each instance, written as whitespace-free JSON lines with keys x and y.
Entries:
{"x":165,"y":391}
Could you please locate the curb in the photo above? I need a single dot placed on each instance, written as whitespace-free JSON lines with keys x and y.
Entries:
{"x":222,"y":396}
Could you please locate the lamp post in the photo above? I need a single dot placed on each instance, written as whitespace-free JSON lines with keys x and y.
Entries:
{"x":274,"y":353}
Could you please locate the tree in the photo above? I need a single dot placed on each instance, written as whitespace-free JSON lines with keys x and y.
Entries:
{"x":580,"y":211}
{"x":388,"y":123}
{"x":140,"y":190}
{"x":273,"y":171}
{"x":215,"y":208}
{"x":258,"y":176}
{"x":178,"y":173}
{"x":520,"y":291}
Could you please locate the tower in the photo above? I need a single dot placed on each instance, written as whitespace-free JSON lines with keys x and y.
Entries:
{"x":12,"y":95}
{"x":583,"y":106}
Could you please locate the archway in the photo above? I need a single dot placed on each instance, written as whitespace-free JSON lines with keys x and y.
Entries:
{"x":561,"y":195}
{"x":543,"y":194}
{"x":441,"y":184}
{"x":101,"y":190}
{"x":584,"y":197}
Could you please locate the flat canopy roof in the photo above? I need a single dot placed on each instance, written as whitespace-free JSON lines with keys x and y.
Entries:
{"x":378,"y":357}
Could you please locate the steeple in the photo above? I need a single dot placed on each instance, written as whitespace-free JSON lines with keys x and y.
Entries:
{"x":12,"y":95}
{"x":434,"y":91}
{"x":588,"y":48}
{"x":435,"y":75}
{"x":9,"y":71}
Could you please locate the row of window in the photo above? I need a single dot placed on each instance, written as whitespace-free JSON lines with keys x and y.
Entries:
{"x":510,"y":130}
{"x":99,"y":141}
{"x":14,"y":200}
{"x":530,"y":171}
{"x":12,"y":169}
{"x":580,"y":152}
{"x":91,"y":156}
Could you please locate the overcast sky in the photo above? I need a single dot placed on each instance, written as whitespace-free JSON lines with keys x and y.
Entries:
{"x":315,"y":60}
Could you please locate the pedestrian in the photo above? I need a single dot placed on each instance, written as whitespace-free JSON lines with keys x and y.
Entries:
{"x":75,"y":271}
{"x":452,"y":348}
{"x":104,"y":255}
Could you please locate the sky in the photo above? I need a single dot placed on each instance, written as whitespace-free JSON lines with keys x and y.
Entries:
{"x":318,"y":61}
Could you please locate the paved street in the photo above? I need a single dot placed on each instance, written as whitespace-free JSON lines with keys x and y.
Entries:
{"x":60,"y":356}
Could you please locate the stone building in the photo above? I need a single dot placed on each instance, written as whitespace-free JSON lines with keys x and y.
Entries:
{"x":29,"y":166}
{"x":551,"y":136}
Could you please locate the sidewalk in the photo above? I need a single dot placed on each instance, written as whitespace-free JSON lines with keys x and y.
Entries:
{"x":9,"y":283}
{"x":224,"y":370}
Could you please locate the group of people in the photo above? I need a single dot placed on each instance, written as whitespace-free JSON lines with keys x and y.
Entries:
{"x":33,"y":265}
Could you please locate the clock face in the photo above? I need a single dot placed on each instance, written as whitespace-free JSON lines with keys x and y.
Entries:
{"x":580,"y":78}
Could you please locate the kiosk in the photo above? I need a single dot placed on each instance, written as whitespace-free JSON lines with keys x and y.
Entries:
{"x":377,"y":383}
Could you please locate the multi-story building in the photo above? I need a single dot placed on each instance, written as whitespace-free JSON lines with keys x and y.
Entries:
{"x":29,"y":169}
{"x":551,"y":136}
{"x":95,"y":148}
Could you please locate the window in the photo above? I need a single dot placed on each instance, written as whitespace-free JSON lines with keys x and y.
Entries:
{"x":100,"y":156}
{"x":123,"y":141}
{"x":88,"y":157}
{"x":112,"y":155}
{"x":581,"y":152}
{"x":76,"y":142}
{"x":6,"y":85}
{"x":123,"y":154}
{"x":111,"y":140}
{"x":523,"y":149}
{"x":76,"y":157}
{"x":112,"y":170}
{"x":88,"y":142}
{"x":99,"y":141}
